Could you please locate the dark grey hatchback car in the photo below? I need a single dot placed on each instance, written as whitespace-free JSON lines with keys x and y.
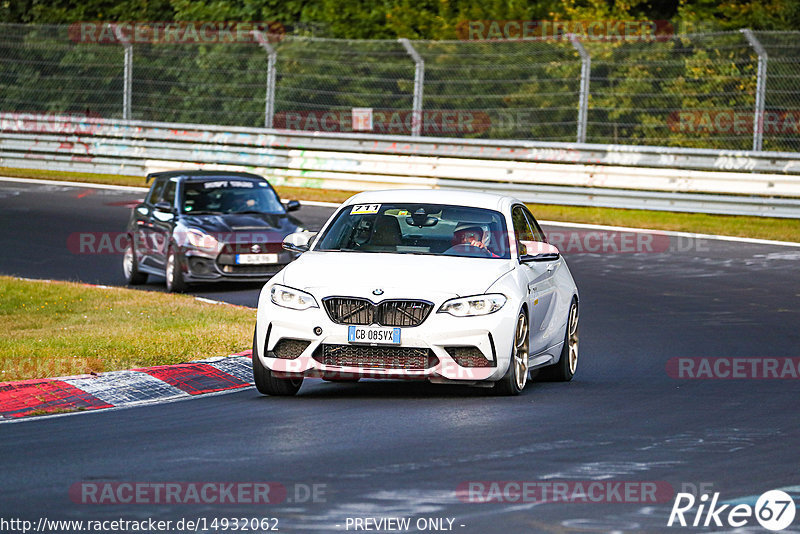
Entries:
{"x":208,"y":226}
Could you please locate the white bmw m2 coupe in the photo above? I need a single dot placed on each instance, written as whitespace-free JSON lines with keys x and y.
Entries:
{"x":444,"y":286}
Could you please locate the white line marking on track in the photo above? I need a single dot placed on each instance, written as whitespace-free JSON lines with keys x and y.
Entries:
{"x":673,"y":233}
{"x":74,"y":184}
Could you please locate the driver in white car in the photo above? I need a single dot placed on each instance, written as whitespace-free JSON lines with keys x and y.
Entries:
{"x":474,"y":235}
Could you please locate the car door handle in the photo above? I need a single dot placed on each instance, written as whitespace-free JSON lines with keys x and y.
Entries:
{"x":551,"y":267}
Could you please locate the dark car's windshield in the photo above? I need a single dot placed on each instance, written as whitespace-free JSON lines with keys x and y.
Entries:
{"x":229,"y":195}
{"x":406,"y":228}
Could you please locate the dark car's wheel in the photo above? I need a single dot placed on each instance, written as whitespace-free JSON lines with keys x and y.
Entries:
{"x":513,"y":382}
{"x":174,"y":273}
{"x":267,"y":383}
{"x":565,"y":369}
{"x":130,"y":267}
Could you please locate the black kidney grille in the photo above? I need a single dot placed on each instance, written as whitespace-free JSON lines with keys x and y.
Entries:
{"x":371,"y":357}
{"x":344,"y":310}
{"x":403,"y":312}
{"x":351,"y":310}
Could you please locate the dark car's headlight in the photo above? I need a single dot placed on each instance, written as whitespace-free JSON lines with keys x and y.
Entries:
{"x":291,"y":298}
{"x":202,"y":240}
{"x":475,"y":305}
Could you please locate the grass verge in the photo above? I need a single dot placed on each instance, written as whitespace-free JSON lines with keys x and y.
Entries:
{"x":63,"y":328}
{"x":732,"y":225}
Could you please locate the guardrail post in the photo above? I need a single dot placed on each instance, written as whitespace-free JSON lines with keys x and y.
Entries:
{"x":419,"y":82}
{"x":583,"y":104}
{"x":127,"y":81}
{"x":272,"y":58}
{"x":761,"y":89}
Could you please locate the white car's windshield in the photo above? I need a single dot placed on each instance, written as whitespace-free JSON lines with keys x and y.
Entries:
{"x":229,"y":195}
{"x":410,"y":228}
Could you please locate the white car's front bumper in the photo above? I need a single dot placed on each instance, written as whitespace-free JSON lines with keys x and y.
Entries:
{"x":439,"y":333}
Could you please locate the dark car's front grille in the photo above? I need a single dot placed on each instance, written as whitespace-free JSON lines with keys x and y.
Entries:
{"x":270,"y":268}
{"x":226,"y":261}
{"x":351,"y":310}
{"x":372,"y":357}
{"x":247,"y":248}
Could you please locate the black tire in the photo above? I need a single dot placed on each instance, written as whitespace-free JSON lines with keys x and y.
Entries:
{"x":174,"y":273}
{"x":516,"y":377}
{"x":567,"y":365}
{"x":130,"y":267}
{"x":267,"y":383}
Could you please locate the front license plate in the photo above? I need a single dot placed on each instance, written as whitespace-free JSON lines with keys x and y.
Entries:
{"x":256,"y":259}
{"x":373,"y":334}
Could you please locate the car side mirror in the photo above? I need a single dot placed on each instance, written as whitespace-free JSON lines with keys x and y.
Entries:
{"x":163,"y":207}
{"x":293,"y":205}
{"x":537,"y":251}
{"x":298,"y":241}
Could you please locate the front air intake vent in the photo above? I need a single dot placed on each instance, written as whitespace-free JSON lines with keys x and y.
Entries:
{"x":289,"y":349}
{"x":369,"y":357}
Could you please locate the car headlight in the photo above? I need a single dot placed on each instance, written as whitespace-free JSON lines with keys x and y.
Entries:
{"x":475,"y":305}
{"x":201,"y":240}
{"x":292,"y":298}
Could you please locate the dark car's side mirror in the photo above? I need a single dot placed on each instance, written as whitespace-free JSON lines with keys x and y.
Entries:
{"x":163,"y":207}
{"x":293,"y":205}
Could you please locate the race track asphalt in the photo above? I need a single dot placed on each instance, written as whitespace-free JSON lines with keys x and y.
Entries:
{"x":387,"y":449}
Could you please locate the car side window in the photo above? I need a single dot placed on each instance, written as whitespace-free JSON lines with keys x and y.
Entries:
{"x":169,"y":192}
{"x":538,"y":234}
{"x":156,"y":192}
{"x":522,"y":229}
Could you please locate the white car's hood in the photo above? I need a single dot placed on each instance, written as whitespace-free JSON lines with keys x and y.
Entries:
{"x":397,"y":275}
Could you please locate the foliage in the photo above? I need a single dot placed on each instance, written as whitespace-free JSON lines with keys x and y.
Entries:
{"x":505,"y":89}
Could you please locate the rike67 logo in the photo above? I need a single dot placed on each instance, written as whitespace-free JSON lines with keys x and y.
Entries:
{"x":774,"y":510}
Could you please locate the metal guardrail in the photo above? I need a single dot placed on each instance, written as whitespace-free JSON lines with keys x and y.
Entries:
{"x":672,"y":179}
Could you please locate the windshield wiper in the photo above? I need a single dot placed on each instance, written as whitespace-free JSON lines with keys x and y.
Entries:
{"x":202,"y":212}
